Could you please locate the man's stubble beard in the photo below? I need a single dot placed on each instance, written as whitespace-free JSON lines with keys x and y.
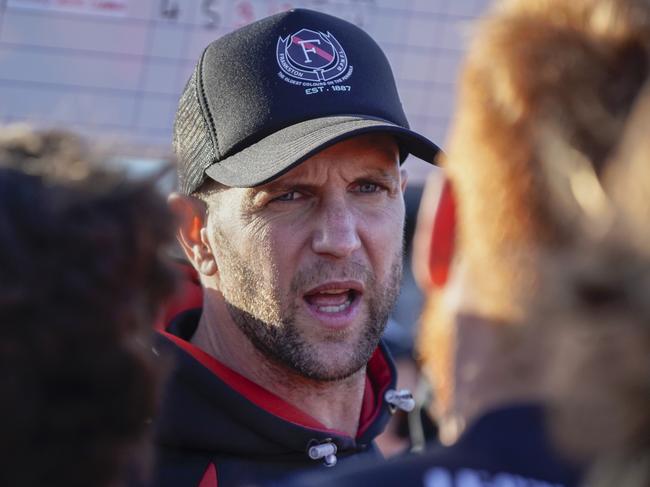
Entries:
{"x":257,"y":310}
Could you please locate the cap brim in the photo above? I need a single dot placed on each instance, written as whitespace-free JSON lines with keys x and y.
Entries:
{"x":276,"y":154}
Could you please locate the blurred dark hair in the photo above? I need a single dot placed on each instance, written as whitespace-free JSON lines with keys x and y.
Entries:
{"x":81,"y":278}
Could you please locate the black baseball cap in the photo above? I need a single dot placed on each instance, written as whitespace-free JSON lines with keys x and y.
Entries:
{"x":265,"y":97}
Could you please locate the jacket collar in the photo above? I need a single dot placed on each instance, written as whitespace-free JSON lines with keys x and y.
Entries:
{"x":203,"y":390}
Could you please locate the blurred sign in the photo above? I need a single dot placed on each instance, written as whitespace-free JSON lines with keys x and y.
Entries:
{"x":93,"y":7}
{"x":114,"y":69}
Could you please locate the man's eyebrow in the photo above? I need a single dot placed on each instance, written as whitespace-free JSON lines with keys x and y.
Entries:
{"x":379,"y":175}
{"x":255,"y":194}
{"x":280,"y":186}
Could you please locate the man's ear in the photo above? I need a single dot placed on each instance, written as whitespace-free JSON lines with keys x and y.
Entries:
{"x":192,"y":235}
{"x":443,"y":237}
{"x":435,"y":233}
{"x":404,"y":177}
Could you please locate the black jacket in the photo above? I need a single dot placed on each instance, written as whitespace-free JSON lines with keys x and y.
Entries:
{"x":216,"y":427}
{"x":506,"y":447}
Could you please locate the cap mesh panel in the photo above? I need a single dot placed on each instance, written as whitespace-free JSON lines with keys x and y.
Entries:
{"x":192,"y":142}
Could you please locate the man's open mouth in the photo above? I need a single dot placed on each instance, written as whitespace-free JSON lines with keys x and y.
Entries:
{"x":333,"y":298}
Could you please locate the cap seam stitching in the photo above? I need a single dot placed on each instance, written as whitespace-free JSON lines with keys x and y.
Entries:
{"x":206,"y":109}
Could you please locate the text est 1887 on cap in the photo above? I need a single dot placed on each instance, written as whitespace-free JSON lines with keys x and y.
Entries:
{"x":265,"y":97}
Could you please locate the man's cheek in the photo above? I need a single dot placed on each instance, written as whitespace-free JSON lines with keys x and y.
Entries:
{"x":389,"y":243}
{"x":275,"y":271}
{"x":380,"y":219}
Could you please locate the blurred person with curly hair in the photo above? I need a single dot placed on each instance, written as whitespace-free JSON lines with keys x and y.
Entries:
{"x":81,"y":279}
{"x":593,"y":319}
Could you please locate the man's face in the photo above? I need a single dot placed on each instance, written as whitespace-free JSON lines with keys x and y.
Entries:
{"x":309,"y":265}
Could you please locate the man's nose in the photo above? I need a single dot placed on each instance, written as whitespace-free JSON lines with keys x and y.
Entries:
{"x":336,"y":229}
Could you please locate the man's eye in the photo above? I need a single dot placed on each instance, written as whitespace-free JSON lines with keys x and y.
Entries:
{"x":289,"y":196}
{"x":368,"y":188}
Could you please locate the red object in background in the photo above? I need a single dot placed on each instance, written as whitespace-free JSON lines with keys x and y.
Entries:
{"x":210,"y":477}
{"x":188,"y":295}
{"x":443,"y":239}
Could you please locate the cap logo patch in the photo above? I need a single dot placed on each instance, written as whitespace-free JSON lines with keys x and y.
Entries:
{"x":311,"y":58}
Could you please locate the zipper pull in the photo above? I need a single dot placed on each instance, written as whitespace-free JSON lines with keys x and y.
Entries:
{"x":326,"y":451}
{"x":402,"y":399}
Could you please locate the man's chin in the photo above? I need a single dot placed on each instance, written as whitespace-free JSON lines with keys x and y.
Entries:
{"x":333,"y":362}
{"x":328,"y":372}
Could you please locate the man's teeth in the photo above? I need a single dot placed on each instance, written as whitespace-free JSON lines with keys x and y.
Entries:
{"x":334,"y":291}
{"x":334,"y":309}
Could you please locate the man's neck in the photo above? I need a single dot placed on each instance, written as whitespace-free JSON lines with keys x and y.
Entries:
{"x":335,"y":404}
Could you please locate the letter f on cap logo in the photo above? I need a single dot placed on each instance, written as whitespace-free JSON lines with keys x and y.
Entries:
{"x":311,"y":56}
{"x":307,"y":46}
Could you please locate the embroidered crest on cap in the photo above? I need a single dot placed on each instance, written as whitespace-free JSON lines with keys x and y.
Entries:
{"x":311,"y":58}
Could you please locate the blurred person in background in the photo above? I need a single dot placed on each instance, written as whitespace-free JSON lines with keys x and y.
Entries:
{"x":546,"y":93}
{"x":81,"y":280}
{"x":290,"y":136}
{"x":596,"y":311}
